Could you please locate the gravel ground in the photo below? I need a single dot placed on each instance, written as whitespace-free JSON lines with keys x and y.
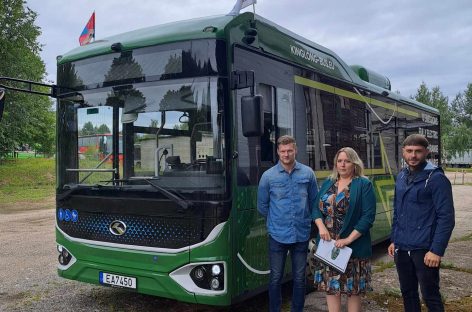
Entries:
{"x":29,"y":281}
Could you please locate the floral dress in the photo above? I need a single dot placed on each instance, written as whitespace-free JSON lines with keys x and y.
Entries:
{"x":356,"y":280}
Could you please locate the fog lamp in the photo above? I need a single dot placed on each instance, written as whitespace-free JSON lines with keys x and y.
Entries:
{"x":215,"y":283}
{"x":64,"y":255}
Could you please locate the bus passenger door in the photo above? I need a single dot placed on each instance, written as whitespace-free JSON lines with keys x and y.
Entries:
{"x":274,"y":82}
{"x":278,"y":121}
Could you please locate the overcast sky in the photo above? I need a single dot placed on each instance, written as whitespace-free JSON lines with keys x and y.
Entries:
{"x":409,"y":41}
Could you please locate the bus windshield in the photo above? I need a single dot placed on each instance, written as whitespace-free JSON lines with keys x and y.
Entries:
{"x":168,"y":131}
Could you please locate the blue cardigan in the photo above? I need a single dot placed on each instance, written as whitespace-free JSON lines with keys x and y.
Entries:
{"x":360,"y":215}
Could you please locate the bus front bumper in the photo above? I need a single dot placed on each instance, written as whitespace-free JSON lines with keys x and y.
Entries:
{"x":163,"y":275}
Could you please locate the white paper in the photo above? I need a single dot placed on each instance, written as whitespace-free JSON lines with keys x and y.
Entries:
{"x":335,"y":257}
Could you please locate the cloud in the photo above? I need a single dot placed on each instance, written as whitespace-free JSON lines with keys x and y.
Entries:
{"x":408,"y":41}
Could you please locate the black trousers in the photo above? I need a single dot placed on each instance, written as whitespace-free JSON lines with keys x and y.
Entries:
{"x":411,"y":272}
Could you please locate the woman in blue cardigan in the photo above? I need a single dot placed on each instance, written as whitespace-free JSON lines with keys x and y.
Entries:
{"x":346,"y":211}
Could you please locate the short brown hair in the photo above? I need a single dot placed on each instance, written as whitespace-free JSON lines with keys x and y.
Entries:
{"x":416,"y":140}
{"x":286,"y":139}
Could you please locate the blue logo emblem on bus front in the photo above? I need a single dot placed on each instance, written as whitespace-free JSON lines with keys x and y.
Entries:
{"x":74,"y":215}
{"x":67,"y":215}
{"x":60,"y":214}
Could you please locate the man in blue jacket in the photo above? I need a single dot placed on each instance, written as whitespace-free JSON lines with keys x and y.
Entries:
{"x":285,"y":198}
{"x":423,"y":221}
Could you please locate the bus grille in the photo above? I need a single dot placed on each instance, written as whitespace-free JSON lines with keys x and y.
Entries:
{"x":149,"y":231}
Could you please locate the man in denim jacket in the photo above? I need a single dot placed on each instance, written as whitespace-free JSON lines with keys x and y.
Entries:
{"x":423,"y":221}
{"x":285,"y":198}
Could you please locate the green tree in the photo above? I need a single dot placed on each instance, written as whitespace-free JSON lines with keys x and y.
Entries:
{"x":183,"y":126}
{"x":88,"y":129}
{"x":436,"y":99}
{"x":44,"y":137}
{"x":462,"y":107}
{"x":25,"y":115}
{"x":154,"y":123}
{"x":102,"y":129}
{"x":461,"y":140}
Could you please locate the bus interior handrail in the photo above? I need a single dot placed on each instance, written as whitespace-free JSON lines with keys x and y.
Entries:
{"x":91,"y":170}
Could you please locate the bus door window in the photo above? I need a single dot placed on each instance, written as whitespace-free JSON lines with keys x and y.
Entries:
{"x":95,"y":142}
{"x":284,"y":108}
{"x":268,"y":137}
{"x":274,"y":81}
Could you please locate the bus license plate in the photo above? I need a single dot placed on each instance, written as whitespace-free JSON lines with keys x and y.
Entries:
{"x":117,"y":280}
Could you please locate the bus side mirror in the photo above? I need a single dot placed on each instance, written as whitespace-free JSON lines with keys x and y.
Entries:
{"x":129,"y":118}
{"x":251,"y":116}
{"x":2,"y":102}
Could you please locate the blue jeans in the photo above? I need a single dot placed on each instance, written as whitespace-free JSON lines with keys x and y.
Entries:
{"x":277,"y":257}
{"x":411,"y":271}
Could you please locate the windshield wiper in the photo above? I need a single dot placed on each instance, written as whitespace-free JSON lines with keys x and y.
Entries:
{"x":177,"y":198}
{"x":72,"y":189}
{"x":172,"y":195}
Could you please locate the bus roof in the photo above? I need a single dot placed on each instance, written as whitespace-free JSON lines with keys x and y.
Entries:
{"x":154,"y":35}
{"x":271,"y":38}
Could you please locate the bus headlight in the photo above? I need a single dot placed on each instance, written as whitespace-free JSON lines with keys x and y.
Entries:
{"x":215,"y":269}
{"x":206,"y":278}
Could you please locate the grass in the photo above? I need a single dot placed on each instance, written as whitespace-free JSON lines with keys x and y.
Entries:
{"x":467,"y":170}
{"x":451,"y":266}
{"x":392,"y":300}
{"x":27,"y":179}
{"x":461,"y":305}
{"x":95,"y":177}
{"x":23,"y":155}
{"x":464,"y":238}
{"x":381,"y":266}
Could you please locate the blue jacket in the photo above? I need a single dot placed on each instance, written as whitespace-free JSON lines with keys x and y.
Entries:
{"x":360,"y":216}
{"x":286,"y":200}
{"x":423,"y":216}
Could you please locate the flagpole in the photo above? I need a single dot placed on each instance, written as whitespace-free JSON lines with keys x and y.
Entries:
{"x":94,"y":26}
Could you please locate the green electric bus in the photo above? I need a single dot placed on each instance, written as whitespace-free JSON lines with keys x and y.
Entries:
{"x":194,"y":109}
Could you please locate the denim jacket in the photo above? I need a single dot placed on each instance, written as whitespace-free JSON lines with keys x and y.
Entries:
{"x":286,"y":201}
